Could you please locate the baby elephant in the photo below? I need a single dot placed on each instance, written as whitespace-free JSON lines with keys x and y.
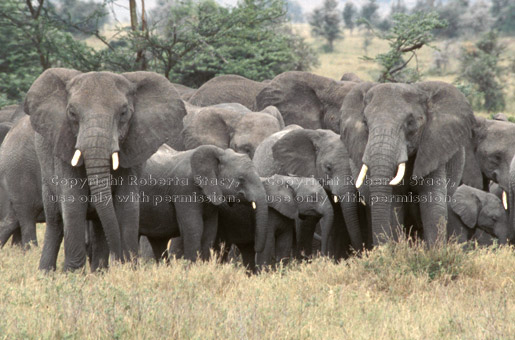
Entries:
{"x":180,"y":194}
{"x":289,"y":199}
{"x":472,"y":208}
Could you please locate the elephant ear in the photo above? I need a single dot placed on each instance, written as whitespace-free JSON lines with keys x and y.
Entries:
{"x":210,"y":126}
{"x":296,"y":153}
{"x":281,"y":196}
{"x":205,"y":165}
{"x":467,"y":205}
{"x":450,"y":121}
{"x":273,"y":111}
{"x":353,"y":131}
{"x":294,"y":98}
{"x":46,"y":103}
{"x":157,"y":118}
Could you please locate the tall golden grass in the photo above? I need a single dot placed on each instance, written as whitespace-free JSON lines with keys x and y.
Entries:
{"x":398,"y":291}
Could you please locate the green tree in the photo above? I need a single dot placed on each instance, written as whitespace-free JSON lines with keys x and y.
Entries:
{"x":408,"y":34}
{"x":294,"y":11}
{"x":503,"y":12}
{"x":81,"y":18}
{"x":197,"y":40}
{"x":480,"y":68}
{"x":325,"y":22}
{"x":349,"y":15}
{"x":368,"y":13}
{"x":33,"y":40}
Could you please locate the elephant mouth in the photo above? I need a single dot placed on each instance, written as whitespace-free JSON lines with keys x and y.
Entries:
{"x":399,"y":176}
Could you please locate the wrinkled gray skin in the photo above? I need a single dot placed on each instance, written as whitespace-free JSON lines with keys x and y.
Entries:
{"x":491,"y":154}
{"x":11,"y":113}
{"x":228,"y":89}
{"x":98,"y":113}
{"x":206,"y":171}
{"x":185,"y":92}
{"x":350,"y":77}
{"x":425,"y":125}
{"x":318,"y":153}
{"x":289,"y":199}
{"x":477,"y":209}
{"x":20,"y":185}
{"x":230,"y":126}
{"x":511,"y":198}
{"x":306,"y":99}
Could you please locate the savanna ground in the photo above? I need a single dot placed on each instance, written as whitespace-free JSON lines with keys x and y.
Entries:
{"x":398,"y":291}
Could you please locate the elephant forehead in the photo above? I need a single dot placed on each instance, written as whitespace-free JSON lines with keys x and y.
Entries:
{"x":99,"y":86}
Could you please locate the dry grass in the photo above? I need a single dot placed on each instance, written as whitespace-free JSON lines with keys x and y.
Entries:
{"x":395,"y":292}
{"x":347,"y":53}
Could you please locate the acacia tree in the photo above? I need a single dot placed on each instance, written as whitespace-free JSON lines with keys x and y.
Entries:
{"x":325,"y":22}
{"x":480,"y":68}
{"x":408,"y":34}
{"x":349,"y":14}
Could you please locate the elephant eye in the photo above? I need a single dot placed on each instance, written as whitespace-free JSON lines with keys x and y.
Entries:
{"x":73,"y":114}
{"x":328,"y":167}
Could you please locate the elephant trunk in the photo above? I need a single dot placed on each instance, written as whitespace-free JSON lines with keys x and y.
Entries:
{"x":97,"y":149}
{"x":326,"y":224}
{"x":262,"y":230}
{"x":347,"y":196}
{"x":382,"y":159}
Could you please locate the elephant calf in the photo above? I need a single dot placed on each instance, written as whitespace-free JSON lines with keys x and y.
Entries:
{"x":289,"y":199}
{"x":180,"y":193}
{"x":477,"y":209}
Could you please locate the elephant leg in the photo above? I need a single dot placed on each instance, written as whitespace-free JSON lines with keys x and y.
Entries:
{"x":16,"y":240}
{"x":434,"y":212}
{"x":126,"y":206}
{"x":27,"y":222}
{"x":210,"y":230}
{"x":145,"y":248}
{"x":342,"y":241}
{"x":305,"y":231}
{"x":99,"y":248}
{"x":9,"y":227}
{"x":53,"y":234}
{"x":191,"y":226}
{"x":75,"y":224}
{"x":283,"y":246}
{"x":248,"y":256}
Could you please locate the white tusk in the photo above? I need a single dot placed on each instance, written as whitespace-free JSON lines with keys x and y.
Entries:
{"x":362,"y":201}
{"x":504,"y":200}
{"x":116,"y":161}
{"x":335,"y":199}
{"x":253,"y":205}
{"x":76,"y":157}
{"x":400,"y":174}
{"x":361,"y":176}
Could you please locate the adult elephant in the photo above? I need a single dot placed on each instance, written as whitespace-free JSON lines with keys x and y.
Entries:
{"x":478,"y":209}
{"x":11,"y":113}
{"x":320,"y":154}
{"x":184,"y":91}
{"x":20,"y":185}
{"x":91,"y":126}
{"x":206,"y":177}
{"x":490,"y":155}
{"x":306,"y":99}
{"x":289,"y":198}
{"x":349,"y":76}
{"x":413,"y":131}
{"x":229,"y":126}
{"x":228,"y":89}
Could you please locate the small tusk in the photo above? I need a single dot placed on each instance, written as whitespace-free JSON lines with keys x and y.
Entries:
{"x":504,"y":200}
{"x":76,"y":157}
{"x":362,"y":201}
{"x":335,"y":199}
{"x":361,"y":176}
{"x":400,"y":174}
{"x":253,"y":205}
{"x":116,"y":161}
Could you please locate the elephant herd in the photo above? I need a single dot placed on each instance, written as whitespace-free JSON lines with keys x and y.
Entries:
{"x":279,"y":169}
